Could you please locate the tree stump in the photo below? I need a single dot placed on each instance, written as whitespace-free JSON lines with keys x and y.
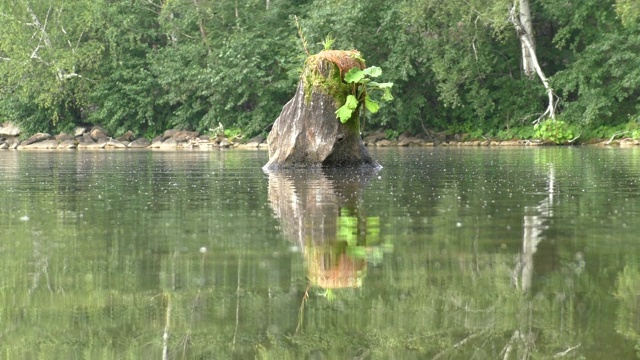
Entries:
{"x":307,"y":133}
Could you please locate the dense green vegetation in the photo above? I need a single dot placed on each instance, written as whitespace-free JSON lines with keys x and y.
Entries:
{"x":149,"y":65}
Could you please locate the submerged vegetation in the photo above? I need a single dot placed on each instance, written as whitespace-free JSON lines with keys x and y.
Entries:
{"x":457,"y":66}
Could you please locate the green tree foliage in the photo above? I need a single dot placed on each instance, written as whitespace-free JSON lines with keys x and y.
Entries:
{"x":148,"y":65}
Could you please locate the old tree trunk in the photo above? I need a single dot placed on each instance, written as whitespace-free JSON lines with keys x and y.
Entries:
{"x":307,"y":132}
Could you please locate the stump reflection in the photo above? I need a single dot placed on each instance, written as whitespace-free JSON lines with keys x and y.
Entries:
{"x":321,"y":212}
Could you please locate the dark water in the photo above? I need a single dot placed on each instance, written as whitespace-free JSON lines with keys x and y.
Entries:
{"x":445,"y":253}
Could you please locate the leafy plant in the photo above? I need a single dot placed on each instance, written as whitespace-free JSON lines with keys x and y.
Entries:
{"x":556,"y":131}
{"x":362,"y":86}
{"x":391,"y":134}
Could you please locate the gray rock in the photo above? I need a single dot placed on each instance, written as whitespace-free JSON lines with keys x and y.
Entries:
{"x":97,"y":133}
{"x":86,"y":139}
{"x":169,"y":133}
{"x":156,"y":142}
{"x":63,"y":137}
{"x":112,"y":144}
{"x":169,"y":144}
{"x":126,"y":136}
{"x":67,"y":144}
{"x":37,"y":138}
{"x":410,"y":140}
{"x":8,"y":129}
{"x":375,"y":137}
{"x":40,"y":145}
{"x":139,"y":143}
{"x":385,"y":143}
{"x":254,"y":142}
{"x":88,"y":146}
{"x":184,"y":136}
{"x":80,"y":130}
{"x":4,"y":145}
{"x":308,"y":134}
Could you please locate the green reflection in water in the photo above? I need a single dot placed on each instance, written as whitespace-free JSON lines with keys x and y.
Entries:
{"x":487,"y":253}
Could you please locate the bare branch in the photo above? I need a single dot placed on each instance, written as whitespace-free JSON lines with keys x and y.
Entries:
{"x":564,"y":353}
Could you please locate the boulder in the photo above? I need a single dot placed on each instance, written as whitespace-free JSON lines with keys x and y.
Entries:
{"x":36,"y":138}
{"x":63,"y":137}
{"x":126,"y":136}
{"x":169,"y":143}
{"x":139,"y":143}
{"x":67,"y":144}
{"x":8,"y":129}
{"x":374,"y":137}
{"x":40,"y":145}
{"x":252,"y":143}
{"x":113,"y":144}
{"x":307,"y":133}
{"x":184,"y":136}
{"x":169,"y":133}
{"x":409,"y":140}
{"x":4,"y":145}
{"x":97,"y":133}
{"x":80,"y":130}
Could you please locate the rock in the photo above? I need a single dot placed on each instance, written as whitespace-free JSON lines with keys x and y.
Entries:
{"x":307,"y":132}
{"x":169,"y":133}
{"x":184,"y":136}
{"x":224,"y":143}
{"x":253,"y":143}
{"x":385,"y":143}
{"x":4,"y":146}
{"x":373,"y":138}
{"x":126,"y":136}
{"x":80,"y":130}
{"x":12,"y":142}
{"x":86,"y":139}
{"x":67,"y":144}
{"x":8,"y":129}
{"x":113,"y":144}
{"x":409,"y":140}
{"x":139,"y":143}
{"x":97,"y":133}
{"x":37,"y":138}
{"x":170,"y":143}
{"x":40,"y":145}
{"x":63,"y":137}
{"x":402,"y":136}
{"x":156,"y":142}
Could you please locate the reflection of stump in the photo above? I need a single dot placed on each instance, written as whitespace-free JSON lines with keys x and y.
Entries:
{"x":310,"y":204}
{"x":332,"y":271}
{"x":307,"y":132}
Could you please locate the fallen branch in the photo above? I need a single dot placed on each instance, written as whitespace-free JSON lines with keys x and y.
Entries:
{"x":564,"y":353}
{"x":615,"y":135}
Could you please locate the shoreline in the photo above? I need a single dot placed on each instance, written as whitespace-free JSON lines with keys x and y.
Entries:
{"x":96,"y":138}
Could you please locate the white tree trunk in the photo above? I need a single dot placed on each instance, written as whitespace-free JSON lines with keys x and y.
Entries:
{"x":527,"y":27}
{"x":527,"y":44}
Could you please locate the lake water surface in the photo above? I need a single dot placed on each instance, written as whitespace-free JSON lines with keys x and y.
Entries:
{"x":445,"y":253}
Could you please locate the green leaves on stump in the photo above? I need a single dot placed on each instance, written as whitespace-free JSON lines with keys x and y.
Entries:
{"x":362,"y":87}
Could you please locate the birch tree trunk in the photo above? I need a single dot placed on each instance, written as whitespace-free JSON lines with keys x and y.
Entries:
{"x":527,"y":27}
{"x":528,"y":49}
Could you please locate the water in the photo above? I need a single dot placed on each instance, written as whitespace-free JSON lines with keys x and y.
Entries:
{"x":445,"y":253}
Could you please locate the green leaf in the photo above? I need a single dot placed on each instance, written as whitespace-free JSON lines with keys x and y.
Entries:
{"x":371,"y":105}
{"x":387,"y":95}
{"x":353,"y":76}
{"x":378,"y":85}
{"x":345,"y":111}
{"x":373,"y":71}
